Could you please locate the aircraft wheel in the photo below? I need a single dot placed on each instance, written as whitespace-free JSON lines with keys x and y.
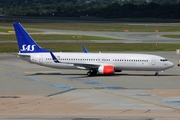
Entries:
{"x":156,"y":74}
{"x":94,"y":72}
{"x":89,"y":73}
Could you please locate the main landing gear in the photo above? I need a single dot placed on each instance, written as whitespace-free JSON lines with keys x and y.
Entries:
{"x":91,"y":73}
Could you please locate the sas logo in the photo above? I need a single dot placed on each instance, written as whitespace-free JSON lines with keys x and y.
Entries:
{"x":27,"y":47}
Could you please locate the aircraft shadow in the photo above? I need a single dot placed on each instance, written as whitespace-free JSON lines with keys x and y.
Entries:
{"x":149,"y":75}
{"x":119,"y":75}
{"x":34,"y":74}
{"x":115,"y":75}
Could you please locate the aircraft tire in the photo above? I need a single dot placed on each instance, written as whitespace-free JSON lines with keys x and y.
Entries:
{"x":156,"y":74}
{"x":89,"y":73}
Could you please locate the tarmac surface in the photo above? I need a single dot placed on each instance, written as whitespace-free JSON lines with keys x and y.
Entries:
{"x":124,"y":37}
{"x":29,"y":91}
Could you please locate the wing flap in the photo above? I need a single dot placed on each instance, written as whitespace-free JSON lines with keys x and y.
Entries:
{"x":86,"y":65}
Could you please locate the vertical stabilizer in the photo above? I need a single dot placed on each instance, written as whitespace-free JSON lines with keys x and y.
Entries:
{"x":25,"y":43}
{"x":84,"y":49}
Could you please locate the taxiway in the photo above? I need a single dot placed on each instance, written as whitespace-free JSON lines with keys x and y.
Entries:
{"x":29,"y":91}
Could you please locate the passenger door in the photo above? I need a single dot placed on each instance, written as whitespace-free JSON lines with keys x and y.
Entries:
{"x":41,"y":59}
{"x":153,"y":61}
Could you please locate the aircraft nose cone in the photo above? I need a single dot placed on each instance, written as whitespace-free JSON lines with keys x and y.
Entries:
{"x":171,"y":64}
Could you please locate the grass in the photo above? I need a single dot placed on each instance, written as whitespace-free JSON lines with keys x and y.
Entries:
{"x":96,"y":47}
{"x":98,"y":27}
{"x":92,"y":47}
{"x":5,"y":30}
{"x":172,"y":36}
{"x":6,"y":37}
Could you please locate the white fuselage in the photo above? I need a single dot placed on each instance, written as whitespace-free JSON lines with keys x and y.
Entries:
{"x":122,"y":61}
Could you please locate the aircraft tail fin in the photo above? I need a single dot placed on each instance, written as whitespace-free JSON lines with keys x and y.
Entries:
{"x":26,"y":43}
{"x":84,"y":49}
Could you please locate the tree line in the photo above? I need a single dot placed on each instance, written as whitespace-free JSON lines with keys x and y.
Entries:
{"x":166,"y":9}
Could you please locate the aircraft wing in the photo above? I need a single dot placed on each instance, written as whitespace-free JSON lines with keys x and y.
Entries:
{"x":78,"y":65}
{"x":86,"y":66}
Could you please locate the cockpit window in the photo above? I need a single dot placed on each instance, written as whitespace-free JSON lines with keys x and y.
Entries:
{"x":163,"y":60}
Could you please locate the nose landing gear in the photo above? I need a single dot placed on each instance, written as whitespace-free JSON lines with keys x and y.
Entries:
{"x":157,"y":72}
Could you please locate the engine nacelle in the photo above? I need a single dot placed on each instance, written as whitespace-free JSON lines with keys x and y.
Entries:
{"x":106,"y":70}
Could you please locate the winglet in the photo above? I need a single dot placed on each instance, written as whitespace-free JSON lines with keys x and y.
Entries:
{"x":25,"y":41}
{"x":84,"y":49}
{"x":54,"y":58}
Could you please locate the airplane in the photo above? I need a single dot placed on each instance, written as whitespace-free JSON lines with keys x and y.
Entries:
{"x":94,"y":63}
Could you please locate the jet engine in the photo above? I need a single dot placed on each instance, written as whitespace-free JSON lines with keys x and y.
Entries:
{"x":106,"y":70}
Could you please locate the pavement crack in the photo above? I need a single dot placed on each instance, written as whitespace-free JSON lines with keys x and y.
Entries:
{"x":61,"y":92}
